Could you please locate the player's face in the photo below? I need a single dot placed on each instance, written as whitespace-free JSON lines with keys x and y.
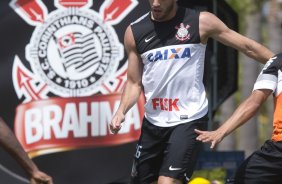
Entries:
{"x":163,"y":9}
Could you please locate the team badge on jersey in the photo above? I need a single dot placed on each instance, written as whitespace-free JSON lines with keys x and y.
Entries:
{"x":182,"y":32}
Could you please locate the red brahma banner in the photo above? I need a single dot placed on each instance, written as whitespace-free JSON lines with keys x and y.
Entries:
{"x":63,"y":67}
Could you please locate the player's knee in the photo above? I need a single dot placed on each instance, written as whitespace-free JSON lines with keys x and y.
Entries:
{"x":168,"y":180}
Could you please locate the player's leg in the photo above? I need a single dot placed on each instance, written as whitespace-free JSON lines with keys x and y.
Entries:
{"x":169,"y":180}
{"x":181,"y":153}
{"x":263,"y":166}
{"x":149,"y":154}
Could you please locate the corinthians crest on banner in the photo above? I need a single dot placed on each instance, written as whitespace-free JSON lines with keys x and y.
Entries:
{"x":74,"y":84}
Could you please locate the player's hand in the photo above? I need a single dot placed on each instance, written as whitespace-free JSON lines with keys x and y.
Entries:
{"x":214,"y":137}
{"x":39,"y":177}
{"x":116,"y":122}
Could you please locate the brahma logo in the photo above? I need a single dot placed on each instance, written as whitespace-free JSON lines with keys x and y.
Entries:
{"x":74,"y":52}
{"x":169,"y":54}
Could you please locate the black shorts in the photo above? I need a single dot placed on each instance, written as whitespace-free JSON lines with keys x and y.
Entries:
{"x":166,"y":151}
{"x":263,"y":167}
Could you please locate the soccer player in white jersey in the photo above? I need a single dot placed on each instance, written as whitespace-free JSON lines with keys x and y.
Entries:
{"x":166,"y":49}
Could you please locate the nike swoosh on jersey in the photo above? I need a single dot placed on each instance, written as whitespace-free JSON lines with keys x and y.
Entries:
{"x":149,"y":39}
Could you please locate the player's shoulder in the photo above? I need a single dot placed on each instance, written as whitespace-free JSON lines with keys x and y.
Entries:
{"x":208,"y":17}
{"x":276,"y":59}
{"x":274,"y":62}
{"x":141,"y":20}
{"x":279,"y":57}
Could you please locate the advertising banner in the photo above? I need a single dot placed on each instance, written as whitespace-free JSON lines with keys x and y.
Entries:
{"x":62,"y":70}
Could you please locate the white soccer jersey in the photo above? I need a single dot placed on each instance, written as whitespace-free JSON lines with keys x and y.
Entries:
{"x":173,"y":59}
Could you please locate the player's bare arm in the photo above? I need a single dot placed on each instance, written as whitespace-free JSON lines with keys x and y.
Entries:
{"x":10,"y":143}
{"x":211,"y":26}
{"x":242,"y":114}
{"x":133,"y":85}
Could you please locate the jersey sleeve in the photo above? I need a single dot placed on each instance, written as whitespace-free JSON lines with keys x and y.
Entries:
{"x":268,"y":78}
